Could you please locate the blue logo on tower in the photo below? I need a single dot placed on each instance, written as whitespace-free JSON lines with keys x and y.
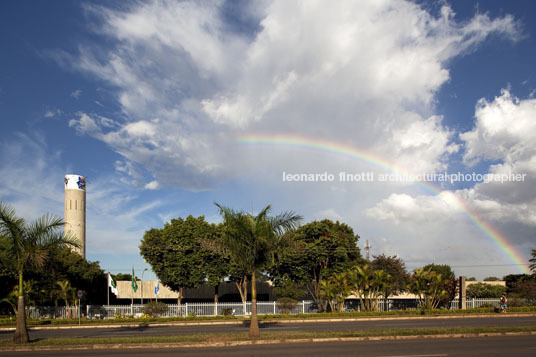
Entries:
{"x":81,"y":183}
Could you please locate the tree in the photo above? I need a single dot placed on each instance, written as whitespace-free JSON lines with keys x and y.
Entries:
{"x":485,"y":291}
{"x":368,"y":284}
{"x":532,"y":260}
{"x":398,"y":276}
{"x":65,"y":292}
{"x":491,"y":278}
{"x":28,"y":246}
{"x":448,"y":283}
{"x":216,"y":263}
{"x":252,"y":242}
{"x":428,"y":285}
{"x":65,"y":264}
{"x":176,"y":253}
{"x":521,"y":285}
{"x":123,"y":277}
{"x":289,"y":289}
{"x":8,"y":275}
{"x":335,"y":290}
{"x":322,"y":249}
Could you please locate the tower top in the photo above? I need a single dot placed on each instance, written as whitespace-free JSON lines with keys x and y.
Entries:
{"x":75,"y":182}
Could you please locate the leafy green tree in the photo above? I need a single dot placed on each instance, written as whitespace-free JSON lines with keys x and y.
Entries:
{"x":471,"y":279}
{"x":429,"y":287}
{"x":448,"y":283}
{"x":335,"y":290}
{"x":251,"y":242}
{"x":28,"y":246}
{"x":532,"y":260}
{"x":176,"y":253}
{"x":30,"y":294}
{"x":8,"y":274}
{"x":521,"y":286}
{"x":398,"y":276}
{"x":65,"y":264}
{"x":122,"y":277}
{"x":289,"y":289}
{"x":491,"y":278}
{"x":321,"y":249}
{"x":368,"y":285}
{"x":65,"y":292}
{"x":485,"y":291}
{"x":216,"y":263}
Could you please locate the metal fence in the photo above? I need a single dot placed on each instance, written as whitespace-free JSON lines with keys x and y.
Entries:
{"x":231,"y":308}
{"x":476,"y":303}
{"x":52,"y":312}
{"x":197,"y":309}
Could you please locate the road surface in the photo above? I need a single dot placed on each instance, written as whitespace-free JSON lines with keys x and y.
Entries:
{"x":518,"y":346}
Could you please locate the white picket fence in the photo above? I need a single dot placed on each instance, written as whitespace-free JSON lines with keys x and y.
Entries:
{"x":475,"y":303}
{"x":198,"y":309}
{"x":52,"y":312}
{"x":234,"y":308}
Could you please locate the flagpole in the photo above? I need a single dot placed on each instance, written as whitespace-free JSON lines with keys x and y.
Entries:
{"x":132,"y":293}
{"x":108,"y":289}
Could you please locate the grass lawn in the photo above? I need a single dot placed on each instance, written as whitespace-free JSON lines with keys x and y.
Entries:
{"x":211,"y":338}
{"x":5,"y":322}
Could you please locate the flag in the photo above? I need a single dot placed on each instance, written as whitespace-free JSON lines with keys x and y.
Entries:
{"x":157,"y":288}
{"x":112,"y":284}
{"x":134,"y":283}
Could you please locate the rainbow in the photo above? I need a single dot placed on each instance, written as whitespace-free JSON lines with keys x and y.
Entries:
{"x":489,"y":231}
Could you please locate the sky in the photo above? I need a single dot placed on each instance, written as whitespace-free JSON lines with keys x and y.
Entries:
{"x":167,"y":107}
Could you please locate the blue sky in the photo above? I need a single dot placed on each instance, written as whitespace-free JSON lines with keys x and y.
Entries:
{"x":149,"y":101}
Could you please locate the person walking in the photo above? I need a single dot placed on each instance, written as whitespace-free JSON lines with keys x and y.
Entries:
{"x":504,"y":303}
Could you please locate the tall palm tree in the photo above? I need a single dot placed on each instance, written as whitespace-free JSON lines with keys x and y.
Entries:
{"x":65,"y":291}
{"x":251,"y":242}
{"x":28,"y":247}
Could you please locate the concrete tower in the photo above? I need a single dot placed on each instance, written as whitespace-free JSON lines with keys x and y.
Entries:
{"x":75,"y":210}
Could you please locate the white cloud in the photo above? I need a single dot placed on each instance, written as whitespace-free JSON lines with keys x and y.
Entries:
{"x":404,"y":208}
{"x":363,"y":74}
{"x":51,"y":113}
{"x":188,"y":83}
{"x":153,"y":185}
{"x":329,"y":213}
{"x":76,"y":94}
{"x":505,"y":129}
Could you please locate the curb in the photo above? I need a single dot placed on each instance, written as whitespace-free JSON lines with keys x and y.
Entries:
{"x":289,"y":321}
{"x":256,"y":342}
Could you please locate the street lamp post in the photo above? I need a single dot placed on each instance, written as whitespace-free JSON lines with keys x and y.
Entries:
{"x":141,"y":290}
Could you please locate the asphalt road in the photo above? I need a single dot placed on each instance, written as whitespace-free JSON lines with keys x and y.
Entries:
{"x":279,"y":327}
{"x":519,"y":346}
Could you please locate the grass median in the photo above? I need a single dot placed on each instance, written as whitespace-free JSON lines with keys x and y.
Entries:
{"x":195,"y":319}
{"x":269,"y":336}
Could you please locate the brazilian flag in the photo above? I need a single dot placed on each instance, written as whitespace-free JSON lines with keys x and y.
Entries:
{"x":134,"y":283}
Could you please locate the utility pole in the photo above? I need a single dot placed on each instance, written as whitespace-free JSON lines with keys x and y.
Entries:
{"x":367,"y":251}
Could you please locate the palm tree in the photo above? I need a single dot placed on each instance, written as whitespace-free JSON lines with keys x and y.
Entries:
{"x":28,"y":247}
{"x":532,"y":260}
{"x":251,"y":242}
{"x":65,"y":291}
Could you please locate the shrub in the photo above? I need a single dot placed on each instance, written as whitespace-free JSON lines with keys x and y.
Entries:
{"x":155,"y":308}
{"x":228,"y":311}
{"x":286,"y":305}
